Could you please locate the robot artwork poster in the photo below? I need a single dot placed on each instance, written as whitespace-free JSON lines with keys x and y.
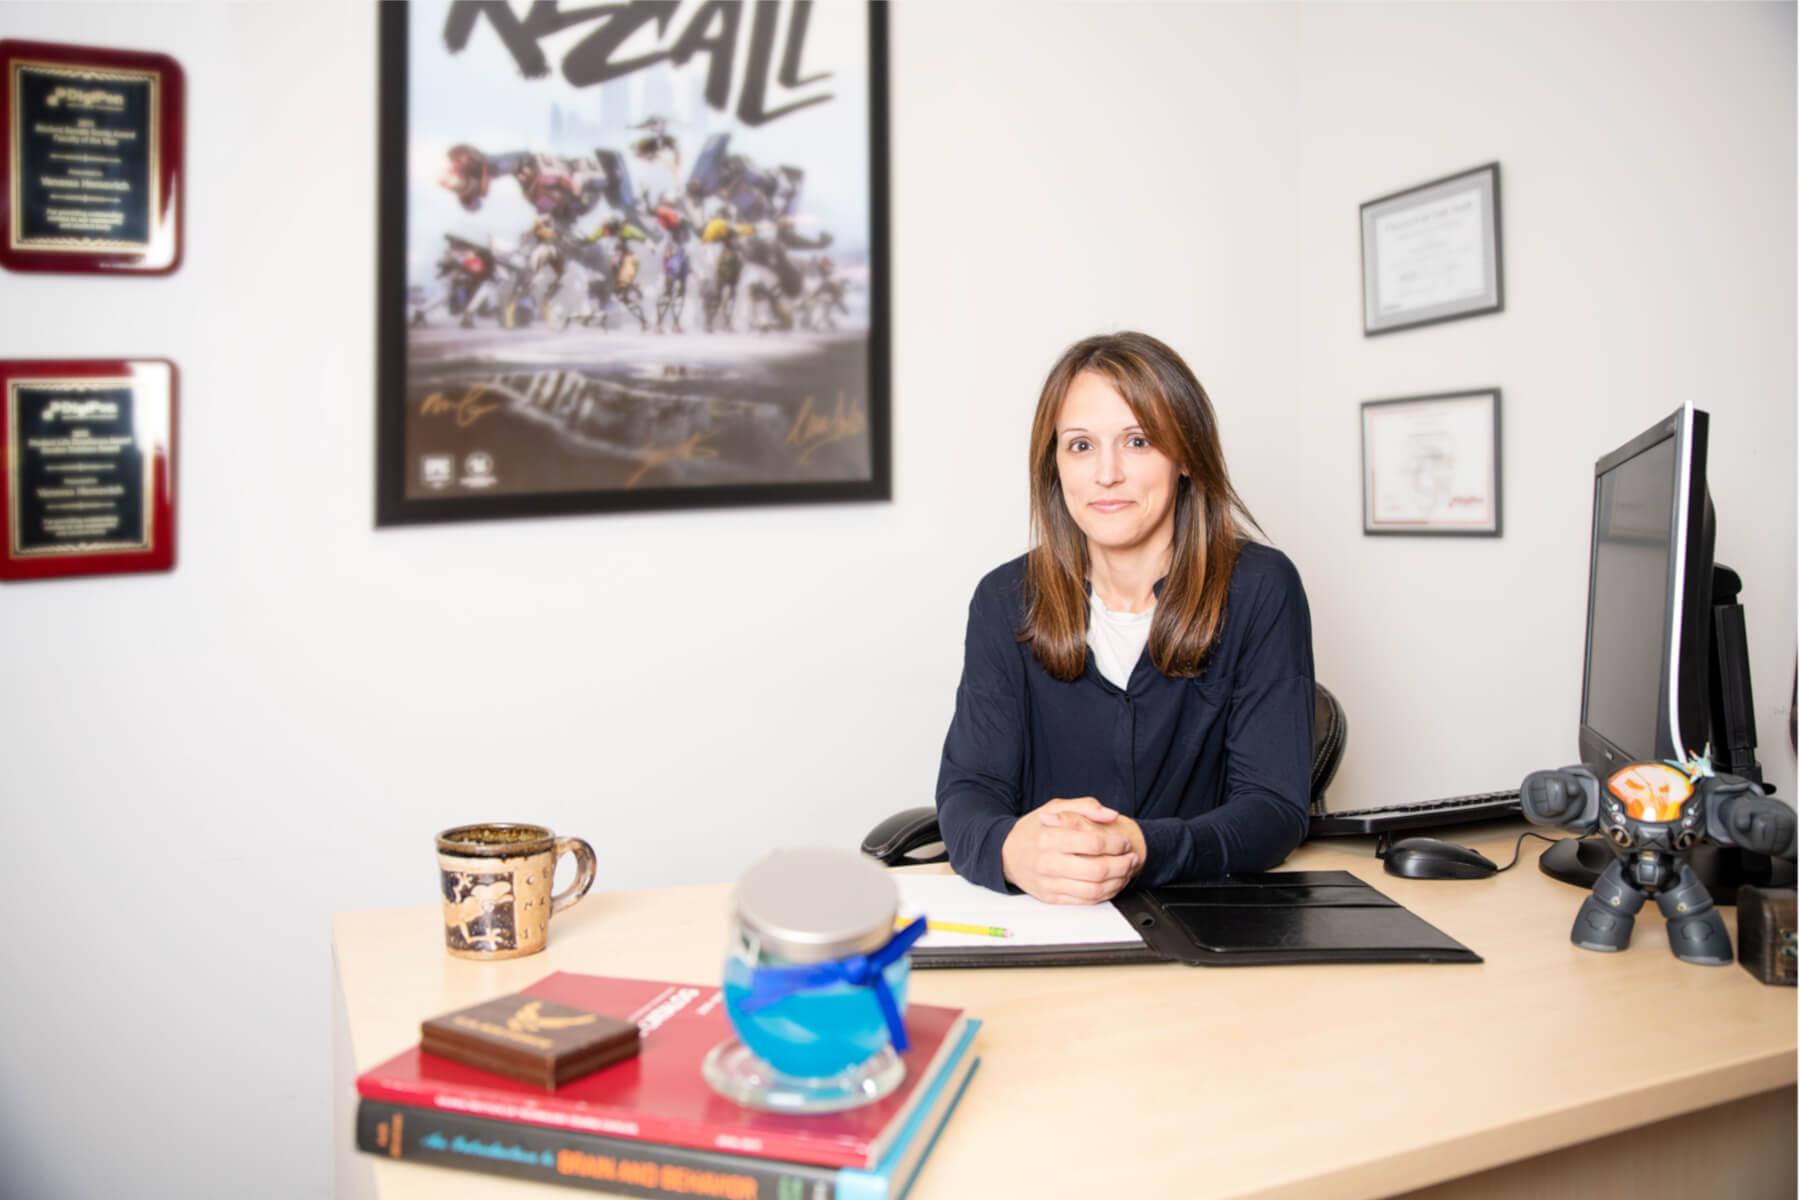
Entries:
{"x":633,"y":256}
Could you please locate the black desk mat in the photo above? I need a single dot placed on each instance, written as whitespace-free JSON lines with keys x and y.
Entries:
{"x":1285,"y":917}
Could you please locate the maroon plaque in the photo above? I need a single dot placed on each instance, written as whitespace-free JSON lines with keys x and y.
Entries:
{"x":90,"y":177}
{"x":89,"y":452}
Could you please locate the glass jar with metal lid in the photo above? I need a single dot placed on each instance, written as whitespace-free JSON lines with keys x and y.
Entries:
{"x":815,"y":984}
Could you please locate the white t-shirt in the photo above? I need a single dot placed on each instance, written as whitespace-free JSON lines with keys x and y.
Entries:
{"x":1117,"y":639}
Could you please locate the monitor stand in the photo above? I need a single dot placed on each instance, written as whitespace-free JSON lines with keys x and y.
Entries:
{"x":1722,"y":869}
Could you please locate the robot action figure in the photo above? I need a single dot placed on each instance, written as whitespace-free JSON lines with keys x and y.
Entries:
{"x":1653,"y":814}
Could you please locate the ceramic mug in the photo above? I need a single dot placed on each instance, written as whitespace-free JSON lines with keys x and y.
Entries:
{"x":495,"y":880}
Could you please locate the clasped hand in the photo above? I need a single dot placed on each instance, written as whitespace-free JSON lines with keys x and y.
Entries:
{"x":1073,"y":851}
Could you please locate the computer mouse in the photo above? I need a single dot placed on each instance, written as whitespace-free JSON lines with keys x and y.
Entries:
{"x":1429,"y":858}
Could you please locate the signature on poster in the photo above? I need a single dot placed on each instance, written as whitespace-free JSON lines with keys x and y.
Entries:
{"x":465,"y":411}
{"x":693,"y":448}
{"x":815,"y":429}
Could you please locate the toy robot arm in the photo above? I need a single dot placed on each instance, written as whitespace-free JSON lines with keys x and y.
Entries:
{"x":1738,"y":814}
{"x":1569,"y":797}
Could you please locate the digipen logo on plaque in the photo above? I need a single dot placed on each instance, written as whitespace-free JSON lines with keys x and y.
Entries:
{"x":90,"y":173}
{"x":89,"y":454}
{"x":437,"y":470}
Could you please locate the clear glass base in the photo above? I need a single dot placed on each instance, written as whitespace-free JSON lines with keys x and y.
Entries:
{"x":735,"y":1073}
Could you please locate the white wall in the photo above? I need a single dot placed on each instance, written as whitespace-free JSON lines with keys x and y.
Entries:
{"x":1648,"y":211}
{"x":202,"y":766}
{"x":198,"y":768}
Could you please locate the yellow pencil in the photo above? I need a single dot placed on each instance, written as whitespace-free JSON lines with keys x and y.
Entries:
{"x":955,"y":927}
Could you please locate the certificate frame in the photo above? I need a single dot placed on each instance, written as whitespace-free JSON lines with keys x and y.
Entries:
{"x":1431,"y":465}
{"x":91,"y":159}
{"x":56,"y":498}
{"x":1432,"y":252}
{"x":501,"y":395}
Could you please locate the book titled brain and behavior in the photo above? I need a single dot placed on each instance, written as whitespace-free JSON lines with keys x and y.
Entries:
{"x":659,"y":1095}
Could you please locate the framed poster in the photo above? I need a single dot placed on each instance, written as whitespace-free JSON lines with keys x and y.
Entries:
{"x":91,"y":170}
{"x":1431,"y":465}
{"x":89,"y":453}
{"x":631,"y":257}
{"x":1431,"y":253}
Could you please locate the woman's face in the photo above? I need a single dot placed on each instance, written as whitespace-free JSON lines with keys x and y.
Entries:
{"x":1119,"y":488}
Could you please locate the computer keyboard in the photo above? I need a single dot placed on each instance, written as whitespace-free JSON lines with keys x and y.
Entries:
{"x":1452,"y":810}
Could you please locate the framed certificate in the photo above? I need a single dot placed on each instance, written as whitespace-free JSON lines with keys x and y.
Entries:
{"x":1431,"y":253}
{"x":1431,"y":465}
{"x":631,"y":257}
{"x":90,"y":176}
{"x":88,"y":447}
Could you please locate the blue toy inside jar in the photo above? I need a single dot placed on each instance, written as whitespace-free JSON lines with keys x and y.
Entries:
{"x":815,"y":983}
{"x":818,"y":1031}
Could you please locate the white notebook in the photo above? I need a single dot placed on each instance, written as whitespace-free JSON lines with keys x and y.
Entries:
{"x":1028,"y":921}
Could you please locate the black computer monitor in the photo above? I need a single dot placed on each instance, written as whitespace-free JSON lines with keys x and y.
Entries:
{"x":1650,"y":567}
{"x":1666,"y":672}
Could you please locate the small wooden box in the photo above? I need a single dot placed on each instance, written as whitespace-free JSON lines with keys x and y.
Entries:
{"x":1766,"y":935}
{"x":529,"y":1039}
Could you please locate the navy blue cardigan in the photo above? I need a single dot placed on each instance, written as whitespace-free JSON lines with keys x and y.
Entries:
{"x":1215,"y":769}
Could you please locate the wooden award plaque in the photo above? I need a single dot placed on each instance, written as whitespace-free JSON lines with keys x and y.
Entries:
{"x":88,"y":448}
{"x":90,"y":159}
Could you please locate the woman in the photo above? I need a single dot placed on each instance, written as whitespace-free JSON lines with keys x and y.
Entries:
{"x":1136,"y":702}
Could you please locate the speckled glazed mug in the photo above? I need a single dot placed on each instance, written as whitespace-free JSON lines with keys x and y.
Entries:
{"x":495,"y":879}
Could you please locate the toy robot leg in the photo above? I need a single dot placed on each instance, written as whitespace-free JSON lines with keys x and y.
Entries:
{"x":1696,"y":930}
{"x":1607,"y":915}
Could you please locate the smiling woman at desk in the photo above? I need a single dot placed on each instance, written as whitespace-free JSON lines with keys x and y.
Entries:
{"x":1136,"y":700}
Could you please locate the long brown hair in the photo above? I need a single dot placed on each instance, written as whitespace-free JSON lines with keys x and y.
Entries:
{"x":1177,"y":417}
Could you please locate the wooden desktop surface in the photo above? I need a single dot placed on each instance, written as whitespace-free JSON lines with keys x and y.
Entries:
{"x":1166,"y":1080}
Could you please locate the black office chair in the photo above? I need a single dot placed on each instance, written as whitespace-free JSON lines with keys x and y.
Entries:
{"x":911,"y":836}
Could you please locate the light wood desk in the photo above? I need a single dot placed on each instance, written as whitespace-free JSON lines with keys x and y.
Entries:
{"x":1545,"y":1070}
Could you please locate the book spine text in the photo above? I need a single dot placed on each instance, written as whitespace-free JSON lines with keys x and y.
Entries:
{"x":582,"y":1160}
{"x":633,"y":1126}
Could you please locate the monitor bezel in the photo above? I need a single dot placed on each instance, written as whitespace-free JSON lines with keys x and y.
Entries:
{"x":1681,"y":711}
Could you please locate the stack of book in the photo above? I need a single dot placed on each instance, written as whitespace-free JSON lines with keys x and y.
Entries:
{"x":650,"y":1125}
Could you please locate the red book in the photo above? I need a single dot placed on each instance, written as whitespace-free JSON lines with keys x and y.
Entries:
{"x":659,"y":1095}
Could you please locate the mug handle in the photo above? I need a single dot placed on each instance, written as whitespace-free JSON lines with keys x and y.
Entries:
{"x":584,"y":872}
